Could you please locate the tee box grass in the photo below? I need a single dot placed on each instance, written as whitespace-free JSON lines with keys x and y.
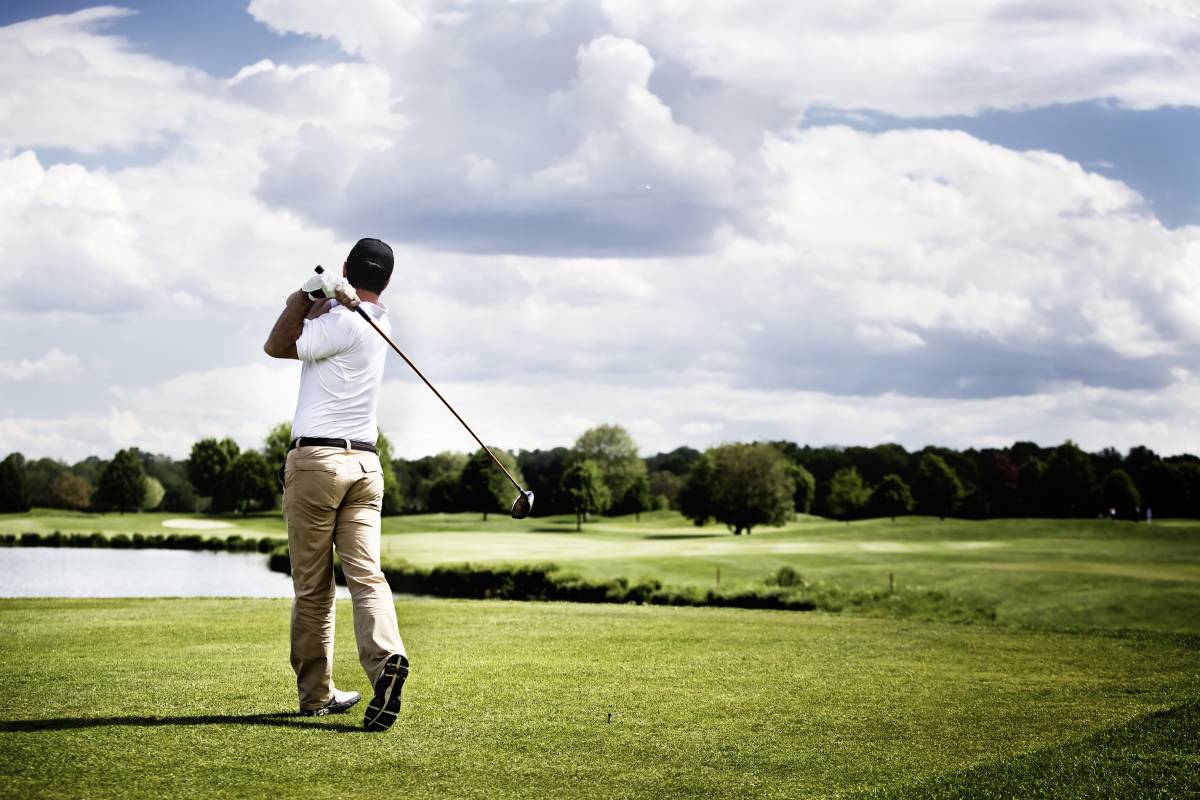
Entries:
{"x":1089,"y":688}
{"x":155,"y":698}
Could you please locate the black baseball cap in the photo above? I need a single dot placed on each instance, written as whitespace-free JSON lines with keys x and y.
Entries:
{"x":369,"y":265}
{"x":372,"y":250}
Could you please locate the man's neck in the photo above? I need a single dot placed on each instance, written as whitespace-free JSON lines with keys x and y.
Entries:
{"x":368,"y":297}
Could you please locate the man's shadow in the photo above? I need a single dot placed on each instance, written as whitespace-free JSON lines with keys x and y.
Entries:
{"x":282,"y":720}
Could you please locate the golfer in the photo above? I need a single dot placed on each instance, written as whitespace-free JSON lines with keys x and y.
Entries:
{"x":333,"y":484}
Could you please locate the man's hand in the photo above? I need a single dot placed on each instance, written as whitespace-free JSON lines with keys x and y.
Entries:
{"x":321,"y":285}
{"x":327,"y":285}
{"x":346,"y":295}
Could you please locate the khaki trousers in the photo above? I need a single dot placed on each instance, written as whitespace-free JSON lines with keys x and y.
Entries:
{"x":332,"y":499}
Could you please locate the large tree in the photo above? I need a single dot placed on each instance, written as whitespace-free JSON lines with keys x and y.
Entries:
{"x":891,"y":497}
{"x":275,"y":446}
{"x":251,"y":483}
{"x":208,"y":467}
{"x":1070,"y":482}
{"x":614,"y":453}
{"x":543,"y":470}
{"x":936,"y":487}
{"x":483,"y":488}
{"x":71,"y":491}
{"x":14,"y":492}
{"x":123,"y":483}
{"x":696,"y":495}
{"x":637,"y":498}
{"x":848,"y":494}
{"x":1119,"y":495}
{"x":751,"y":485}
{"x":393,"y":496}
{"x":806,"y":489}
{"x":154,"y":494}
{"x":583,"y":483}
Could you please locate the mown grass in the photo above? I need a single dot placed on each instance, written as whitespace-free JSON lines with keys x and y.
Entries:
{"x":141,"y":698}
{"x":1046,"y":573}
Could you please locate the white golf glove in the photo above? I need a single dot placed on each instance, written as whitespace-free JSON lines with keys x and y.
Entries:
{"x":326,"y":284}
{"x":321,"y":285}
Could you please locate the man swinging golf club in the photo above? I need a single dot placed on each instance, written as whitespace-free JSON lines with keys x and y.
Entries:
{"x":333,"y":484}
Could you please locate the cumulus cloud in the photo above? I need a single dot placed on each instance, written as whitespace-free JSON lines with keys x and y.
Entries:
{"x":918,"y":59}
{"x":614,"y":202}
{"x":54,"y":367}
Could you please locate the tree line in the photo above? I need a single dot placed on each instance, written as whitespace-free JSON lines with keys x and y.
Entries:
{"x":742,"y":485}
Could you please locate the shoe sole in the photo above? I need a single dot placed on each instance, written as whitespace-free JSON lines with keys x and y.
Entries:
{"x":385,"y":705}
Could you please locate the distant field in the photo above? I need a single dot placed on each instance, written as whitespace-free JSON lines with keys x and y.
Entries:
{"x":151,"y":698}
{"x":1045,"y":573}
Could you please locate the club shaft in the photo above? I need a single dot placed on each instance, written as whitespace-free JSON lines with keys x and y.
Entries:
{"x":362,"y":312}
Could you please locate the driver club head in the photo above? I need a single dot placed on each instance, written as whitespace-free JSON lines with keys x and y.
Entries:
{"x":522,"y":505}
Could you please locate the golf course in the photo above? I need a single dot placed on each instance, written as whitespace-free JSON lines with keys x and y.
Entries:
{"x":1086,"y":684}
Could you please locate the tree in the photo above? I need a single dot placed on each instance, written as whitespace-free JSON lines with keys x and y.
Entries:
{"x":1069,"y":482}
{"x":678,"y":462}
{"x":614,"y":453}
{"x":39,"y":476}
{"x":584,"y":484}
{"x":393,"y":497}
{"x":1030,"y":491}
{"x":636,"y":499}
{"x":207,"y":468}
{"x":14,"y":492}
{"x":891,"y":497}
{"x":806,"y":489}
{"x":936,"y":487}
{"x":543,"y":469}
{"x":664,"y":488}
{"x":442,"y":493}
{"x":695,"y":498}
{"x":848,"y":494}
{"x":251,"y":483}
{"x":154,"y":493}
{"x":1117,"y":492}
{"x":751,"y":485}
{"x":179,"y":494}
{"x":279,"y":439}
{"x":69,"y":490}
{"x":483,"y":488}
{"x":123,"y":483}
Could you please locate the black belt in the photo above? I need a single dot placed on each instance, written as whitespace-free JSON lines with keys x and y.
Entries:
{"x":312,"y":441}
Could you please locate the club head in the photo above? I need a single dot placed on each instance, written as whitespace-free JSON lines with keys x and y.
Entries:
{"x":522,"y":505}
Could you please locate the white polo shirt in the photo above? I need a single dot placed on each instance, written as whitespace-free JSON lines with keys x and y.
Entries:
{"x":343,"y":369}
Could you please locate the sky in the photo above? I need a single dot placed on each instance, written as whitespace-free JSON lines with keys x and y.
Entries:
{"x":837,"y":224}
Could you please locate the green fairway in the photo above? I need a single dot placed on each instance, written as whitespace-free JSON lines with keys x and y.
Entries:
{"x":146,"y":698}
{"x":45,"y":520}
{"x":1043,"y":573}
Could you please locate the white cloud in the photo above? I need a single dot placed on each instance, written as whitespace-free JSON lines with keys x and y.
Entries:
{"x":914,"y":58}
{"x":54,"y":367}
{"x":824,"y":284}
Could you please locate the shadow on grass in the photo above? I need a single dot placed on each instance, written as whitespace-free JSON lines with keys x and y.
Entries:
{"x":1154,"y":755}
{"x":721,"y":535}
{"x":284,"y":720}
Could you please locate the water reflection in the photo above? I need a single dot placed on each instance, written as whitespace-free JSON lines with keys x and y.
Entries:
{"x":82,"y":572}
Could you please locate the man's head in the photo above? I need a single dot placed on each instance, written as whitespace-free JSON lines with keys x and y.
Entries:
{"x":369,"y":265}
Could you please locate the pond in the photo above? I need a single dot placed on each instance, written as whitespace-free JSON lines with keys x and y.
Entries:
{"x":83,"y":572}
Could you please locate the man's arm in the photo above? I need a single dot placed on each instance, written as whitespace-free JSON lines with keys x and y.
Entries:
{"x":282,"y":341}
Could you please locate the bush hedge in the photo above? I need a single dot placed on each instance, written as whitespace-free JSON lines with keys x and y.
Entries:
{"x":157,"y":541}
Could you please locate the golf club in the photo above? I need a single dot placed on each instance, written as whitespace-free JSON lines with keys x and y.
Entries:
{"x":524,"y":502}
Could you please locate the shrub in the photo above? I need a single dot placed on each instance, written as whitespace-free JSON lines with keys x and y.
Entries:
{"x":120,"y":542}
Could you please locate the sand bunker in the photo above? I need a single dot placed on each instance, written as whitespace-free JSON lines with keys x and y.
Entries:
{"x":196,"y":524}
